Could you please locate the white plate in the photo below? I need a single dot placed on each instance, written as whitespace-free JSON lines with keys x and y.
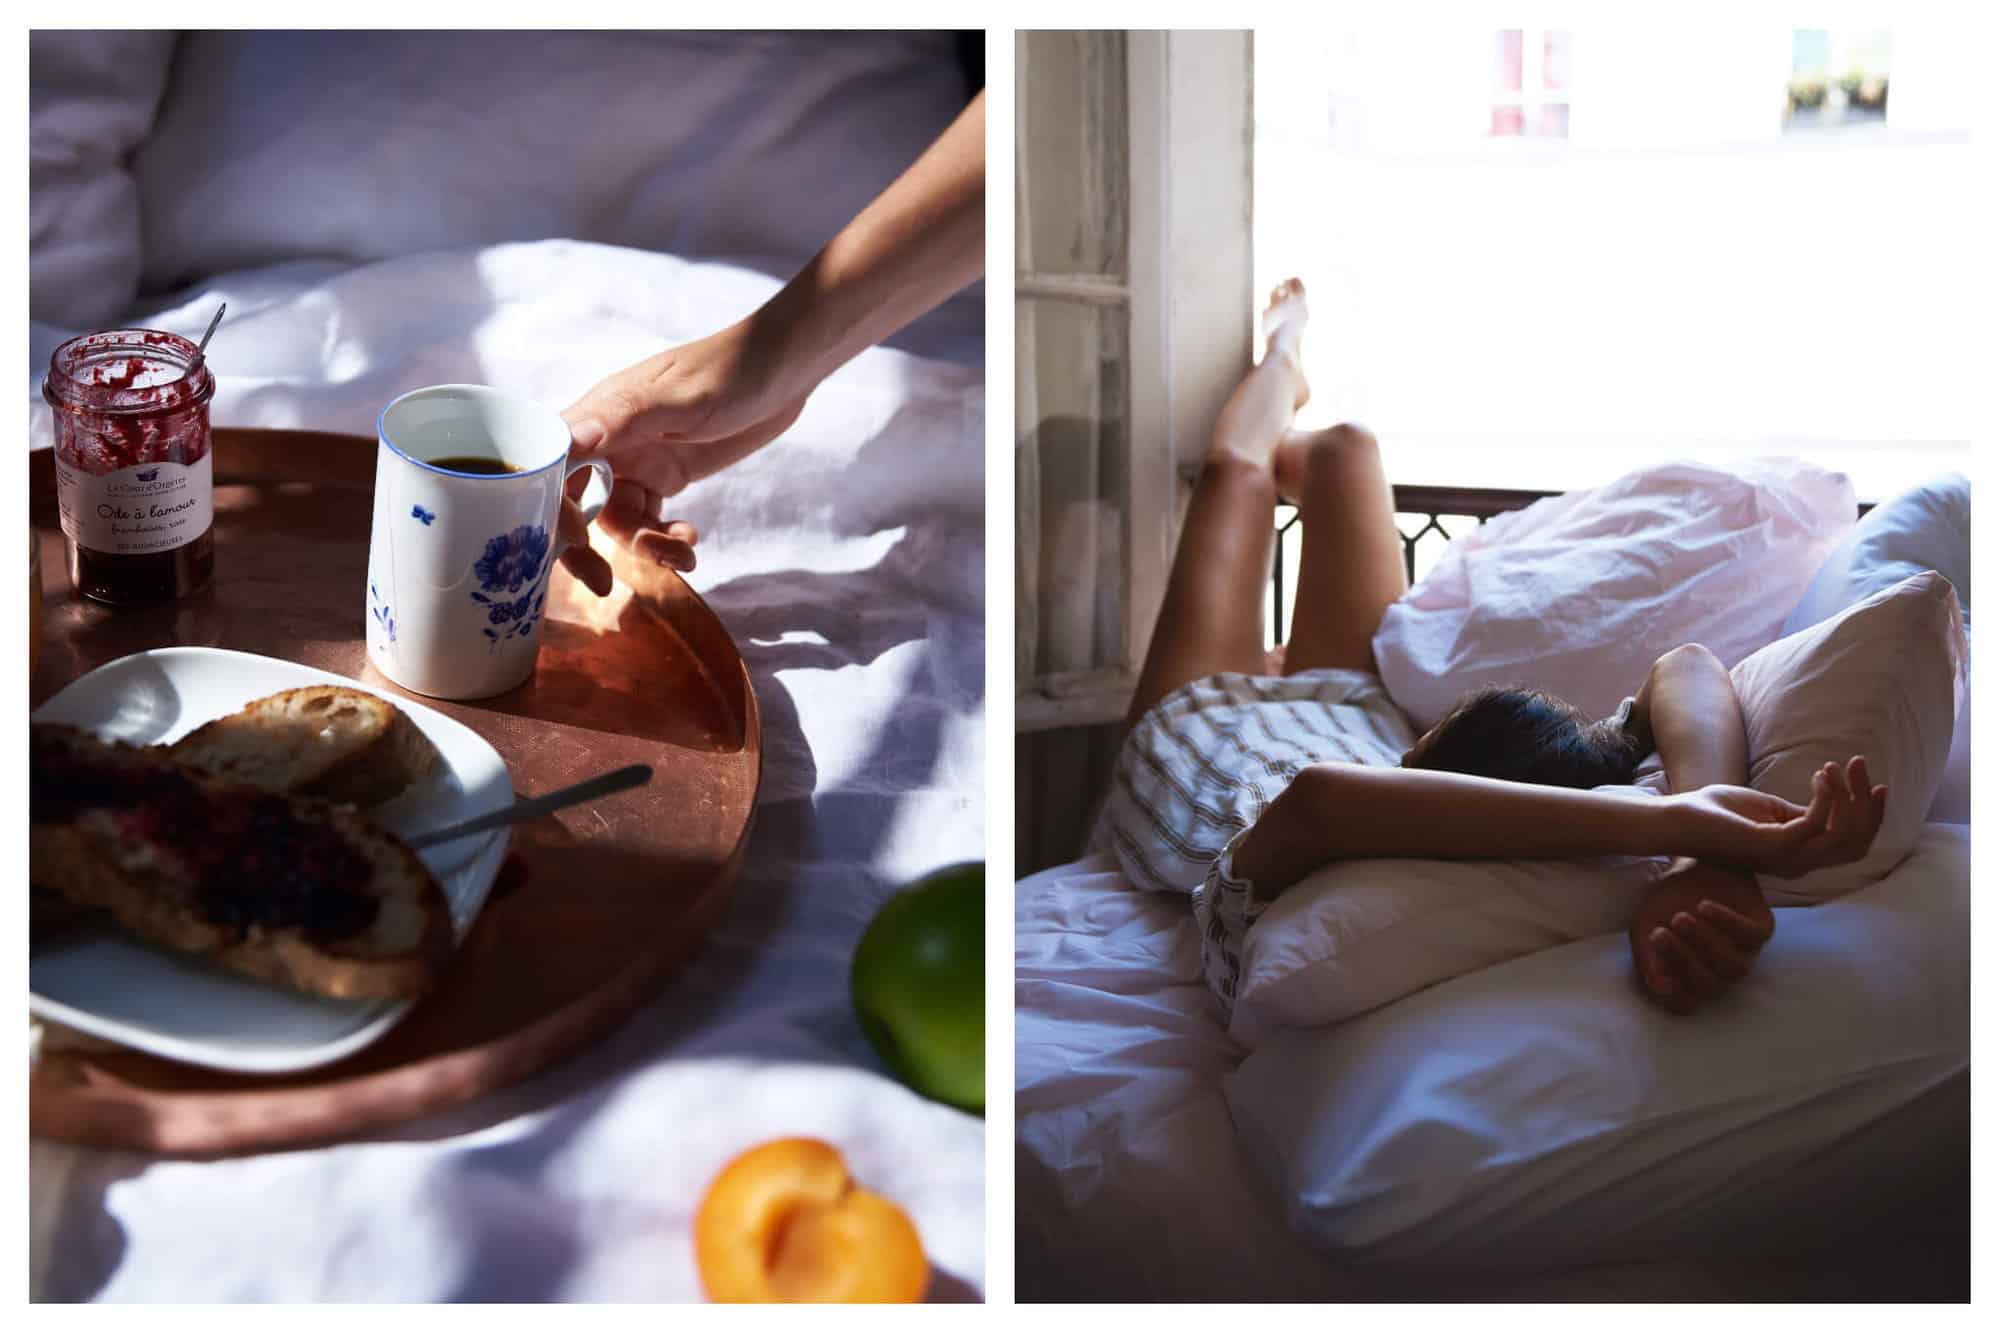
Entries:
{"x":116,"y":988}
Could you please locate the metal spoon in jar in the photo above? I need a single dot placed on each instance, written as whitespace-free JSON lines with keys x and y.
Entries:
{"x":636,"y":775}
{"x":201,"y":348}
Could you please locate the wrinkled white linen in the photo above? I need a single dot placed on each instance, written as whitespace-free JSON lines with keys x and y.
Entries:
{"x":847,"y":562}
{"x":1579,"y":593}
{"x":1129,"y":1185}
{"x":1136,"y":1180}
{"x":1544,"y":1111}
{"x":174,"y":156}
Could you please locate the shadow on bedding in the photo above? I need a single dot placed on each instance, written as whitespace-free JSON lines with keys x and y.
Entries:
{"x":806,"y":621}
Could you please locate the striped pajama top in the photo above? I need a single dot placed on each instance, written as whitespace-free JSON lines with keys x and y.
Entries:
{"x":1199,"y":768}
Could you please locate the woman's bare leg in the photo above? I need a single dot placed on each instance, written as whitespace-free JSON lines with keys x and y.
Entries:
{"x":1212,"y":618}
{"x":1350,"y":555}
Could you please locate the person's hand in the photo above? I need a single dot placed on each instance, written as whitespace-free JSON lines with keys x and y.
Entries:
{"x":1752,"y":830}
{"x":665,"y":423}
{"x":1697,"y":933}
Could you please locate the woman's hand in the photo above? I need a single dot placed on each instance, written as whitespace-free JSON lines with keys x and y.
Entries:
{"x":693,"y":410}
{"x":1735,"y":826}
{"x":1697,"y":933}
{"x":666,"y":423}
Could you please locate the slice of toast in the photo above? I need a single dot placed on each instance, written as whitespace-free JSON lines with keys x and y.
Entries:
{"x":298,"y":891}
{"x":329,"y":741}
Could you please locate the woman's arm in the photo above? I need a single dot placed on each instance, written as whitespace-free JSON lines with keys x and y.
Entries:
{"x":690,"y":411}
{"x":918,"y":243}
{"x":1336,"y":812}
{"x":1688,"y":711}
{"x":1700,"y":928}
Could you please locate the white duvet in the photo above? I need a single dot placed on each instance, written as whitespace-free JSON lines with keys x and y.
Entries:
{"x":847,"y":561}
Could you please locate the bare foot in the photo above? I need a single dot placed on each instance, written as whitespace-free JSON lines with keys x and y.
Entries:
{"x":1284,"y":325}
{"x":1261,"y":408}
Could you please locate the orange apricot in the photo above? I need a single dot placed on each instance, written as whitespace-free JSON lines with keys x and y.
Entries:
{"x":785,"y":1222}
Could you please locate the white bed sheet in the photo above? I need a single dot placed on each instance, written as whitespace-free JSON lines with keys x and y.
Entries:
{"x":1130,"y":1183}
{"x":847,"y":561}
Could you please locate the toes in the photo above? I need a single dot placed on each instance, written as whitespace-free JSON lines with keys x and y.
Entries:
{"x":1288,"y":290}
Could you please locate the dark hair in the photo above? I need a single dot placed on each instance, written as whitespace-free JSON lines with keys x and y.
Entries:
{"x":1526,"y":736}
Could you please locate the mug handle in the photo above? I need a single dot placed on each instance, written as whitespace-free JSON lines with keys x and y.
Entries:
{"x":596,"y":494}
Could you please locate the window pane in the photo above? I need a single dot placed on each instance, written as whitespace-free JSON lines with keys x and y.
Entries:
{"x":1071,"y":465}
{"x":1070,"y":161}
{"x":1506,"y":121}
{"x":1554,"y":121}
{"x":1555,"y":60}
{"x":1810,"y":51}
{"x":1507,"y":61}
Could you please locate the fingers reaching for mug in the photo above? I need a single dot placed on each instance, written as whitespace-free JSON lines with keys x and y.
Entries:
{"x":585,"y":565}
{"x":632,"y":519}
{"x":628,"y":517}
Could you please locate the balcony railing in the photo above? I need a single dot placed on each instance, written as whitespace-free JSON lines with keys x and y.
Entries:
{"x":1420,"y":512}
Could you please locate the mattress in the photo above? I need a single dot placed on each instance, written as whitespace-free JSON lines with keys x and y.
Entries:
{"x":1131,"y":1182}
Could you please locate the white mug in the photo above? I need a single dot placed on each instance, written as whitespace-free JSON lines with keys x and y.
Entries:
{"x":459,"y":561}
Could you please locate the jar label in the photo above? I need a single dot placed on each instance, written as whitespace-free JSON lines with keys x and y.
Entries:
{"x":139,"y":510}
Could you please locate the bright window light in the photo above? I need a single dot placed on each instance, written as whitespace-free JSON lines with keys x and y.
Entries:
{"x":1540,"y":257}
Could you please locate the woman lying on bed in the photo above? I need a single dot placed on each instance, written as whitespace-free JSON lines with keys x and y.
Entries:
{"x":1242,"y":782}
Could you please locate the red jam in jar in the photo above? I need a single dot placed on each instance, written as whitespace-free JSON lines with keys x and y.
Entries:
{"x":134,"y":480}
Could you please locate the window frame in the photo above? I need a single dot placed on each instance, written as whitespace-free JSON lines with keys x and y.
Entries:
{"x":1186,"y":296}
{"x":1532,"y":97}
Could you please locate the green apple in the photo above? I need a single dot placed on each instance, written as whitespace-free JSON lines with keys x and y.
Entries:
{"x":919,"y":985}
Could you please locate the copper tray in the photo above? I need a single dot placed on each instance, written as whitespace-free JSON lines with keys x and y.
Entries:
{"x":594,"y":911}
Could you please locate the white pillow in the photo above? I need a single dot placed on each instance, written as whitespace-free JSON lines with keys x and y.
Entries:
{"x":1883,"y":679}
{"x":91,"y":99}
{"x":1926,"y":527}
{"x":1355,"y":935}
{"x":1953,"y":802}
{"x":1544,"y":1111}
{"x":360,"y":145}
{"x":1578,"y":594}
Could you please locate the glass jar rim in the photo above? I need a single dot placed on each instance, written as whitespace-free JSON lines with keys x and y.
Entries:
{"x":63,"y":389}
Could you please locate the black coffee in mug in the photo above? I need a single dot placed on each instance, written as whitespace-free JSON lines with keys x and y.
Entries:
{"x":485,"y":467}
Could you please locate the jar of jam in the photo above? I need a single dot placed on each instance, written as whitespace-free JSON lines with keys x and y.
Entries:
{"x":134,"y":480}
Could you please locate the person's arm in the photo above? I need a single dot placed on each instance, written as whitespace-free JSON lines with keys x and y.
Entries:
{"x":1688,"y":711}
{"x":690,"y":411}
{"x":1699,"y":929}
{"x":922,"y":240}
{"x":1336,"y":812}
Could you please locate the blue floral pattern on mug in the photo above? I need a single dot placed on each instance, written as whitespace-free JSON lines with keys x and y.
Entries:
{"x":382,"y":614}
{"x":422,"y":515}
{"x":513,"y":561}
